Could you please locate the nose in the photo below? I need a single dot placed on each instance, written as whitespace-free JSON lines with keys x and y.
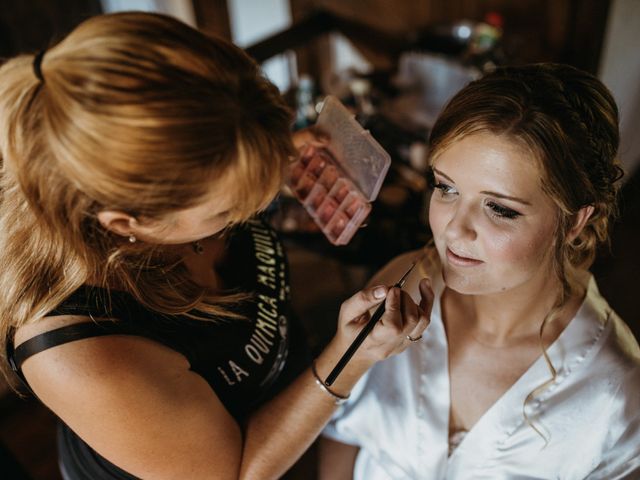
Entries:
{"x":461,"y":225}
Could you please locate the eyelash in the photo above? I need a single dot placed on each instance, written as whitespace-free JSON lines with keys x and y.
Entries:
{"x":503,"y":212}
{"x":444,"y":188}
{"x":496,"y":210}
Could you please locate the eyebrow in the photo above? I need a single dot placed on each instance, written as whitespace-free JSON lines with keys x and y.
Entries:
{"x":486,"y":192}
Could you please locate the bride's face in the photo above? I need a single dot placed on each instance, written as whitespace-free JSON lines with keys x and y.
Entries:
{"x":492,"y":223}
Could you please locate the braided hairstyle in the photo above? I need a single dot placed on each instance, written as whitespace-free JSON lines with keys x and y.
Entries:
{"x":569,"y":121}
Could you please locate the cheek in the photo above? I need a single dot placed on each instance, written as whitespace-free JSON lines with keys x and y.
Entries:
{"x":190,"y":229}
{"x":437,"y":218}
{"x":507,"y":247}
{"x":211,"y":227}
{"x":519,"y":247}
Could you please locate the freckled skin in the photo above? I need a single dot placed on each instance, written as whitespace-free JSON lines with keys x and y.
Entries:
{"x":515,"y":252}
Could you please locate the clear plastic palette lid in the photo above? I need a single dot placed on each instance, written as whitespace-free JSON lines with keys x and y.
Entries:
{"x":361,"y":156}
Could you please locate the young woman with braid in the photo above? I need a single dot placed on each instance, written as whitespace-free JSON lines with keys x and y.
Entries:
{"x":141,"y":300}
{"x":524,"y":372}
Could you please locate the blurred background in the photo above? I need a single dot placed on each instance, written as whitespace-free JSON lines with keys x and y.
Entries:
{"x":395,"y":65}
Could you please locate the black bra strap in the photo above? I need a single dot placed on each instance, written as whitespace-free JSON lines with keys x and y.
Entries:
{"x":60,"y":336}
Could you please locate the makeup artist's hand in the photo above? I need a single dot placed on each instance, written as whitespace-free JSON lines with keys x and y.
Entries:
{"x":403,"y":318}
{"x":310,"y":139}
{"x":313,"y":136}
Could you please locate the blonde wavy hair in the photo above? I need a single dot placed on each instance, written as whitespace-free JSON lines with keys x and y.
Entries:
{"x":568,"y":120}
{"x":138,"y":113}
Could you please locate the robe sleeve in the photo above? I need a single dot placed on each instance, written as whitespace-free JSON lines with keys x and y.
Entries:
{"x":621,"y":461}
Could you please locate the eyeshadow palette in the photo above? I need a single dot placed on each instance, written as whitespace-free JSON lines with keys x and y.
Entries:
{"x":335,"y":182}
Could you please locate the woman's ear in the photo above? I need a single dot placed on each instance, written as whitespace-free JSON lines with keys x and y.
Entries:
{"x":581,"y":218}
{"x":118,"y":222}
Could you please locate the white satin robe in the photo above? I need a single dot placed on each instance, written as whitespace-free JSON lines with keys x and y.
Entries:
{"x":399,"y":412}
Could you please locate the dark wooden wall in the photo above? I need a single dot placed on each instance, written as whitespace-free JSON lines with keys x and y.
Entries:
{"x":567,"y":31}
{"x":30,"y":25}
{"x":212,"y":17}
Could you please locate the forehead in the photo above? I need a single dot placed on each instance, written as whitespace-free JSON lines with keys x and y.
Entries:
{"x":490,"y":162}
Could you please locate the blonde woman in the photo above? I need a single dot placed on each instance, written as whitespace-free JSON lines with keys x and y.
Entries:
{"x":141,"y":302}
{"x":524,"y":372}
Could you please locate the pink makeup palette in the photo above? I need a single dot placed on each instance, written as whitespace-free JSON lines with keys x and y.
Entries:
{"x":337,"y":182}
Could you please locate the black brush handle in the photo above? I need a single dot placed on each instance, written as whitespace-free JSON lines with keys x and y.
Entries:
{"x":355,"y":345}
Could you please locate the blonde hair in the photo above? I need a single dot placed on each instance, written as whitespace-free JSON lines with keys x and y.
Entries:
{"x":568,"y":120}
{"x":138,"y":113}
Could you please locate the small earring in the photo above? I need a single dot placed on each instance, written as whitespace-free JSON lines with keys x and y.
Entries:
{"x":132,"y":238}
{"x":197,"y":247}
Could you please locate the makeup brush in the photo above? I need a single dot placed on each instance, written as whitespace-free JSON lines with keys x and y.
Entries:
{"x":365,"y":331}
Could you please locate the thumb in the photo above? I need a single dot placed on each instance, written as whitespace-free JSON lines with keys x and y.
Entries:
{"x":363,"y":301}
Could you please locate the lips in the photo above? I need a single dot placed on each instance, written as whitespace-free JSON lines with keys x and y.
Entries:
{"x":460,"y":260}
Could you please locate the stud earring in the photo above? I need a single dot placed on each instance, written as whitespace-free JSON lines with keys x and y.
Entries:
{"x":132,"y":238}
{"x":197,"y":247}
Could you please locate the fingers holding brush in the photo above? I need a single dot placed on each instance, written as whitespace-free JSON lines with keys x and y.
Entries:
{"x":401,"y":317}
{"x":355,"y":310}
{"x":381,"y":333}
{"x":426,"y":302}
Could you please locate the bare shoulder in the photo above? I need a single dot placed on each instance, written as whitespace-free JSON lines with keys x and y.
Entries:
{"x":76,"y":363}
{"x":136,"y":402}
{"x":99,"y":359}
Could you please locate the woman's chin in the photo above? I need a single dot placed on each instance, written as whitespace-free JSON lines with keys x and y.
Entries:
{"x":463,"y":284}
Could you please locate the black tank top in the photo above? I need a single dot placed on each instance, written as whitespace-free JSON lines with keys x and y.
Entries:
{"x":245,"y":362}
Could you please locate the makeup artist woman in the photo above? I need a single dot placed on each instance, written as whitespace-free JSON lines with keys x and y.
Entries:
{"x":140,"y":301}
{"x":524,"y":372}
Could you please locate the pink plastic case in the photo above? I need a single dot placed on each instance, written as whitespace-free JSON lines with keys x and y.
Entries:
{"x":336,"y":183}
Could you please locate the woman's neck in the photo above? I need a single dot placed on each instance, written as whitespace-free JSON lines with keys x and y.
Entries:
{"x":505,"y":318}
{"x":202,"y":262}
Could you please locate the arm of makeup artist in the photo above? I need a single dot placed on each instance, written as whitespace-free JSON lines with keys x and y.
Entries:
{"x":139,"y":405}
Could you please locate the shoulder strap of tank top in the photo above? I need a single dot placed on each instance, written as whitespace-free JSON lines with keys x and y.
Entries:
{"x":60,"y":336}
{"x":16,"y":356}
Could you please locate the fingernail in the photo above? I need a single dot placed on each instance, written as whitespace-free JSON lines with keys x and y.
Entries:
{"x":379,"y":292}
